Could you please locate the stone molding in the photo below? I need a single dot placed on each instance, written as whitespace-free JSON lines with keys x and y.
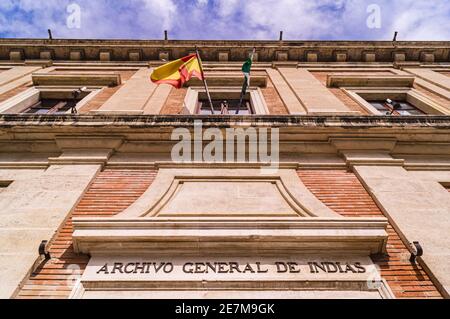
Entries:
{"x":118,"y":50}
{"x":339,"y":80}
{"x":268,"y":236}
{"x":77,"y":79}
{"x":303,"y":121}
{"x":397,"y":136}
{"x":82,"y":150}
{"x":363,"y":143}
{"x":160,"y":192}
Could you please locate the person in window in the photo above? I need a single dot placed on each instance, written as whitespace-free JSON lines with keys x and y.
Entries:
{"x":224,"y":108}
{"x":394,"y":108}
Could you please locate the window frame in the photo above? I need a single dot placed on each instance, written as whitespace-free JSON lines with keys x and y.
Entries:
{"x":246,"y":105}
{"x":384,"y":107}
{"x":25,"y":100}
{"x":255,"y":97}
{"x":362,"y":96}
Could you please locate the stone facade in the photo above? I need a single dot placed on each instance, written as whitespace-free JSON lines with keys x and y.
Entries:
{"x":353,"y":187}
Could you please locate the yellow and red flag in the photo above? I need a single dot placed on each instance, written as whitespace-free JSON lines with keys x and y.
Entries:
{"x":178,"y":72}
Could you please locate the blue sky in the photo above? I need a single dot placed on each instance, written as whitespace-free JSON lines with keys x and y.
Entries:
{"x":227,"y":19}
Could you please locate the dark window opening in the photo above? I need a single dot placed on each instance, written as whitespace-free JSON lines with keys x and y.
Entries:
{"x":446,"y":186}
{"x":396,"y":108}
{"x":52,"y":106}
{"x":4,"y":184}
{"x":225,"y":107}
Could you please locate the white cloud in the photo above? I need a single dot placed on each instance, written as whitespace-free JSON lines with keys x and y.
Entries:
{"x":202,"y":3}
{"x":226,"y":8}
{"x":423,"y":20}
{"x":228,"y":19}
{"x":163,"y":9}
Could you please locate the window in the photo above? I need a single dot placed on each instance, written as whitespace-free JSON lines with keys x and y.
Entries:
{"x":51,"y":106}
{"x":196,"y":101}
{"x":225,"y":107}
{"x":396,"y":108}
{"x":4,"y":184}
{"x":47,"y":100}
{"x":404,"y":101}
{"x":446,"y":186}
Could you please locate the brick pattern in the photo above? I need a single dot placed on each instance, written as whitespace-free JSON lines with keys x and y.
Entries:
{"x":340,"y":94}
{"x":341,"y":191}
{"x":111,"y":192}
{"x":174,"y":103}
{"x":273,"y":100}
{"x":22,"y":88}
{"x":106,"y":92}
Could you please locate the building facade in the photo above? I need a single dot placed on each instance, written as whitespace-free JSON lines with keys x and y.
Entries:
{"x":332,"y":181}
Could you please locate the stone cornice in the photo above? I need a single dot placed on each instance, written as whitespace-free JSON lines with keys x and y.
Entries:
{"x":168,"y":121}
{"x":268,"y":51}
{"x":77,"y":138}
{"x":226,"y":235}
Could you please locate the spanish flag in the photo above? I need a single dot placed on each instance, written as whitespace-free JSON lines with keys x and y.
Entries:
{"x":178,"y":72}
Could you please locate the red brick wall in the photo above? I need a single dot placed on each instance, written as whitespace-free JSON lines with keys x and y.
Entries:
{"x":174,"y":103}
{"x":273,"y":100}
{"x":111,"y":192}
{"x":107,"y":92}
{"x":342,"y":192}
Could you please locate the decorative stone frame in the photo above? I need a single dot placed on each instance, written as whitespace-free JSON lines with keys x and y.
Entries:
{"x":22,"y":101}
{"x":360,"y":88}
{"x":4,"y":68}
{"x":410,"y":95}
{"x":324,"y":290}
{"x":137,"y":234}
{"x":179,"y":182}
{"x":81,"y":79}
{"x":257,"y":100}
{"x":337,"y":80}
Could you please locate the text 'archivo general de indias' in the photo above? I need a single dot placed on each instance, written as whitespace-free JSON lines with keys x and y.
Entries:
{"x":230,"y":267}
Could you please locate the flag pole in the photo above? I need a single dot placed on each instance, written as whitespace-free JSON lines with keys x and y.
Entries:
{"x":245,"y":85}
{"x":204,"y":80}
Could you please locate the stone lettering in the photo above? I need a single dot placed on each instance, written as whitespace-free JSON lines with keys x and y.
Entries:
{"x":104,"y":269}
{"x":234,"y":266}
{"x":360,"y":268}
{"x":259,"y":270}
{"x":293,"y":267}
{"x":158,"y":268}
{"x":340,"y":268}
{"x":128,"y":270}
{"x":222,"y":267}
{"x":118,"y":267}
{"x":188,"y":268}
{"x":349,"y":267}
{"x":168,"y":268}
{"x":331,"y":267}
{"x":248,"y":268}
{"x":281,"y":267}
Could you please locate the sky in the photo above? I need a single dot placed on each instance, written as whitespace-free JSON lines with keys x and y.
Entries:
{"x":227,"y":19}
